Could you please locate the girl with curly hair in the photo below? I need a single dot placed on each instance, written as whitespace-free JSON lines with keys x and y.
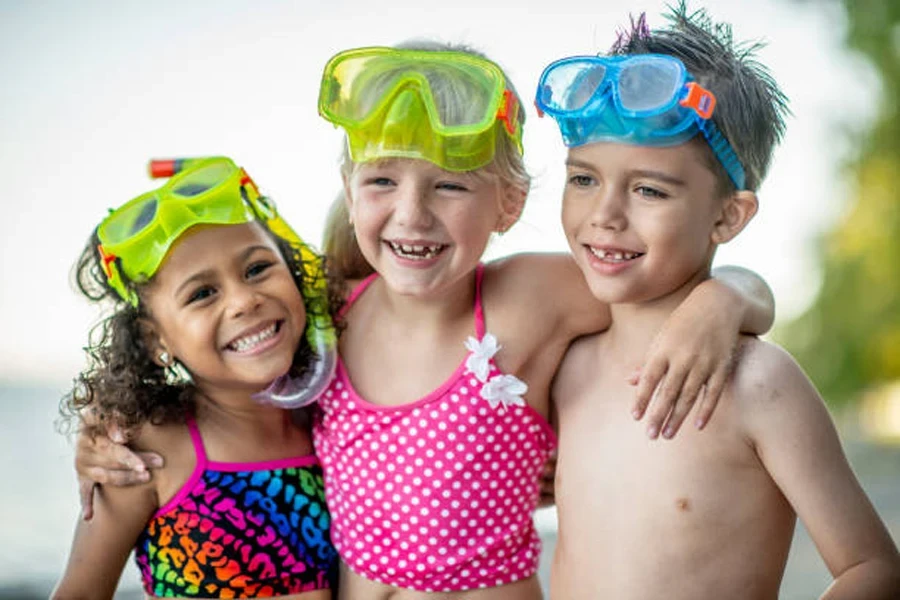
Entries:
{"x":220,"y":325}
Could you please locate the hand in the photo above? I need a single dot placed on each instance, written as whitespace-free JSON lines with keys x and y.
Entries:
{"x":689,"y":362}
{"x":104,"y":459}
{"x":547,"y":479}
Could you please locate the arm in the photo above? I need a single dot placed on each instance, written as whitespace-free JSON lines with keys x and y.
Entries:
{"x":799,"y":447}
{"x":692,"y":355}
{"x":101,"y":546}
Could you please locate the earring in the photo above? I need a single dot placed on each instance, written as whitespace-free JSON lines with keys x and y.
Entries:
{"x":164,"y":358}
{"x":177,"y":375}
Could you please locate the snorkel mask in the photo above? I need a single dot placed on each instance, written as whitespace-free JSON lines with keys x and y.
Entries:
{"x":441,"y":106}
{"x":643,"y":99}
{"x":135,"y":238}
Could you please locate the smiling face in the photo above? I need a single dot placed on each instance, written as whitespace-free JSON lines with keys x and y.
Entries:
{"x":225,"y":304}
{"x":641,"y":221}
{"x":423,"y":228}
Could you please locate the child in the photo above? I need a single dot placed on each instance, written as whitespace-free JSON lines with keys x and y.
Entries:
{"x":655,"y":181}
{"x":211,"y":312}
{"x":432,"y":444}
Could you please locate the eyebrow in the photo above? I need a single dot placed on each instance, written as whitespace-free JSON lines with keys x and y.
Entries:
{"x":200,"y":275}
{"x":649,"y":173}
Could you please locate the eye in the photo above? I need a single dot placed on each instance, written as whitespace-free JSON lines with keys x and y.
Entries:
{"x":257,"y":268}
{"x":649,"y":192}
{"x":200,"y":294}
{"x":581,"y":180}
{"x":452,"y":186}
{"x":380,"y":181}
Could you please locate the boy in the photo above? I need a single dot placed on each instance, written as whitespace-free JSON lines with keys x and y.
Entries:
{"x":652,"y":188}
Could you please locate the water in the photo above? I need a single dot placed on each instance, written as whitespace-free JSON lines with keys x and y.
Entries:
{"x":39,"y":503}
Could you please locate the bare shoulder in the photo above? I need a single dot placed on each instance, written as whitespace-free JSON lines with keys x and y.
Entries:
{"x":767,"y":382}
{"x":173,"y":442}
{"x":532,"y":271}
{"x":549,"y":284}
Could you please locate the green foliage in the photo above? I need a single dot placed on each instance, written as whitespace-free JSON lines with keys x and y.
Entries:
{"x":849,"y":339}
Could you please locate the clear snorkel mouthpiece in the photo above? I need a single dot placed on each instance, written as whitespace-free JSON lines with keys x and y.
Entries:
{"x":294,"y":392}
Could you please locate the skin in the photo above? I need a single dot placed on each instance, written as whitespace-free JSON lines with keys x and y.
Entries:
{"x":218,"y":284}
{"x":428,"y":305}
{"x":719,"y":505}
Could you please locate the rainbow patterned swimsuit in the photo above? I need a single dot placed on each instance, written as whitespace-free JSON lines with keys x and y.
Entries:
{"x":240,"y":530}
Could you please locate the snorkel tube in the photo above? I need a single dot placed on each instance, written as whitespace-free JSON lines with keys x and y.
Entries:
{"x":289,"y":391}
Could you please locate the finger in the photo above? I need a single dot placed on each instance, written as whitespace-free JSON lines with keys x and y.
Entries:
{"x":123,"y":456}
{"x":118,"y":477}
{"x":86,"y":496}
{"x":663,"y":401}
{"x":151,"y":460}
{"x":712,"y":392}
{"x":117,"y":434}
{"x":686,"y":400}
{"x":651,"y":375}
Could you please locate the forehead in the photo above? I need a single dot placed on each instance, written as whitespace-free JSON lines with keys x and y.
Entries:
{"x":687,"y":161}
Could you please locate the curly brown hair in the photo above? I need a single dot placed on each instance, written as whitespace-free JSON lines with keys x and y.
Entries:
{"x":122,"y":385}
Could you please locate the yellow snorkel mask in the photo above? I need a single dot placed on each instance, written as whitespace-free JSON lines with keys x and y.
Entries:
{"x":441,"y":106}
{"x":135,"y":238}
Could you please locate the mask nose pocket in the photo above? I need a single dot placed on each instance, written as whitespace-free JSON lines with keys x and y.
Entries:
{"x":406,"y":114}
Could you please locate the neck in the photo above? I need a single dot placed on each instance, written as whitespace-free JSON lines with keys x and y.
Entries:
{"x":237,"y":412}
{"x":453,"y":302}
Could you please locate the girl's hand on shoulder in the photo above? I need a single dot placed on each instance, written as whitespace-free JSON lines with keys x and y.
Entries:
{"x":689,"y":361}
{"x":106,"y":460}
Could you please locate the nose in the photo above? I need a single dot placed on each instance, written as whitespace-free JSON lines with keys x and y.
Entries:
{"x":610,"y":209}
{"x":411,"y":209}
{"x":243,"y":300}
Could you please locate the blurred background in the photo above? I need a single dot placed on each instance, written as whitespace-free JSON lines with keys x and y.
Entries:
{"x":91,"y":90}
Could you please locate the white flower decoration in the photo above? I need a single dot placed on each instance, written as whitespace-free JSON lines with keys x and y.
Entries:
{"x":481,"y":353}
{"x":504,"y":390}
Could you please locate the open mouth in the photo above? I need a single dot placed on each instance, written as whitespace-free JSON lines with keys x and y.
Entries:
{"x":416,"y":251}
{"x":614,"y":256}
{"x":250,"y":342}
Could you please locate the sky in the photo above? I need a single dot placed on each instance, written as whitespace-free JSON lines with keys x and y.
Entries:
{"x":91,"y":90}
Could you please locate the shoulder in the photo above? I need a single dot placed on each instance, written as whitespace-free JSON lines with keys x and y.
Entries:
{"x":548,"y":284}
{"x":765,"y":368}
{"x":531,"y":271}
{"x":768,"y":385}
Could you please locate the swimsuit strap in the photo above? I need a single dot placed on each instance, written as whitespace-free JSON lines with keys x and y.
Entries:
{"x":357,"y":291}
{"x":197,"y":440}
{"x":479,"y":310}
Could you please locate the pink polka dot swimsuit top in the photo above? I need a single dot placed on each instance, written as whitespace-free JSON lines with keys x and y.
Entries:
{"x":436,"y":495}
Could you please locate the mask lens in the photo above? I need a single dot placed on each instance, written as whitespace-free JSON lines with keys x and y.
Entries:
{"x":649,"y":85}
{"x":129,"y":220}
{"x":570,"y":86}
{"x":463,"y":91}
{"x":202,"y":180}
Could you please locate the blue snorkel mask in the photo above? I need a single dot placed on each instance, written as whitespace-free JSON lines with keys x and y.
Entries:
{"x":643,"y":99}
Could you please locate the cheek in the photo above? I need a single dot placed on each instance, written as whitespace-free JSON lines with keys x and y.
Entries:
{"x":573,"y":215}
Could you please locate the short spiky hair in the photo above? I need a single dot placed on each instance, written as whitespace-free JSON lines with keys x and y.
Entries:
{"x":750,"y":108}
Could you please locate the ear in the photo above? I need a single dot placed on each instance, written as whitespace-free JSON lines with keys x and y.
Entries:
{"x":512,"y":203}
{"x":737,"y":210}
{"x":348,"y":195}
{"x":158,"y":349}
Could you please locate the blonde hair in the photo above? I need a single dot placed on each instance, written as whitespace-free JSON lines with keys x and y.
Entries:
{"x":340,"y":243}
